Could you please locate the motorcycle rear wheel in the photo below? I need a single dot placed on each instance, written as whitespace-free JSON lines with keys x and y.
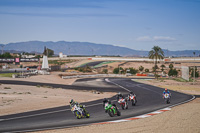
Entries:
{"x":118,"y":113}
{"x":133,"y":102}
{"x":87,"y":115}
{"x":78,"y":116}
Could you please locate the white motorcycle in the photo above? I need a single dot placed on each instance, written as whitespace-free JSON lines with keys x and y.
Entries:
{"x":167,"y":98}
{"x":123,"y":103}
{"x":132,"y":99}
{"x":80,"y":112}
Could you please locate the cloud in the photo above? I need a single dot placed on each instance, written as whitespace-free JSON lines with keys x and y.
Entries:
{"x":163,"y":38}
{"x":144,"y":38}
{"x":155,"y":38}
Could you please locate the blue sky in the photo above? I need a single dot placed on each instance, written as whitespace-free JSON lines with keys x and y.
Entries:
{"x":136,"y":24}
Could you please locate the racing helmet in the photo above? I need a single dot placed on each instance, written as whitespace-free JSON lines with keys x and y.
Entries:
{"x":131,"y":92}
{"x":119,"y":93}
{"x":165,"y":89}
{"x":71,"y":101}
{"x":109,"y":101}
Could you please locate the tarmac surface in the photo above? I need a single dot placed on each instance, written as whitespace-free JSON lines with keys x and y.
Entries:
{"x":149,"y":99}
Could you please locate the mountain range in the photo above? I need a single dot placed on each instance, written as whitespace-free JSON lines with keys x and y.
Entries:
{"x":85,"y":48}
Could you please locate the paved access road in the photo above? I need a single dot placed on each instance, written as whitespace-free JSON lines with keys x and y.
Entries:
{"x":149,"y":99}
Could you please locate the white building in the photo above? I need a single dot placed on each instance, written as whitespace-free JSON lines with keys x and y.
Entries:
{"x":61,"y":55}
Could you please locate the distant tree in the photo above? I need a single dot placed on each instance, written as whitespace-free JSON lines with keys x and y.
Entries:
{"x":119,"y":70}
{"x":116,"y":71}
{"x":173,"y":72}
{"x":141,"y":68}
{"x":156,"y":53}
{"x":192,"y":72}
{"x":6,"y":55}
{"x":155,"y":68}
{"x":133,"y":70}
{"x":171,"y":66}
{"x":48,"y":52}
{"x":146,"y":70}
{"x":105,"y":71}
{"x":162,"y":66}
{"x":37,"y":56}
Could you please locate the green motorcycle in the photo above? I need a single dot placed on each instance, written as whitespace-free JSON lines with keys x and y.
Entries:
{"x":112,"y":110}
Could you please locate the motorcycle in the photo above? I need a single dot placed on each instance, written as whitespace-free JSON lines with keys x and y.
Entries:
{"x":167,"y":98}
{"x":133,"y":100}
{"x":123,"y":103}
{"x":80,"y":111}
{"x":112,"y":110}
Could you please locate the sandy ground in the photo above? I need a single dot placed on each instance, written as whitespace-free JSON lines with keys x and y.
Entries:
{"x":21,"y":98}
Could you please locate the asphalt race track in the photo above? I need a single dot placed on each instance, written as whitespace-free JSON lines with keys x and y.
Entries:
{"x":149,"y":99}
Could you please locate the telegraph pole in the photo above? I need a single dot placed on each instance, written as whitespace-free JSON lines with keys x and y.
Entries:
{"x":2,"y":49}
{"x":194,"y":68}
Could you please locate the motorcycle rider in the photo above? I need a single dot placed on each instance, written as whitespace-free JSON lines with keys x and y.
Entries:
{"x":166,"y":91}
{"x":132,"y":94}
{"x":105,"y":100}
{"x":109,"y":102}
{"x":119,"y":96}
{"x":72,"y":103}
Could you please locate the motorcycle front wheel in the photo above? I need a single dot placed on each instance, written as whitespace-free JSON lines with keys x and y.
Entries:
{"x":87,"y":115}
{"x":78,"y":115}
{"x":110,"y":112}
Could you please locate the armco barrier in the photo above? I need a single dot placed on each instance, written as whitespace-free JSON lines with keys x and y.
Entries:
{"x":93,"y":76}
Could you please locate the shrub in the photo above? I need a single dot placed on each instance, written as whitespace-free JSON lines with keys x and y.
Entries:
{"x":141,"y":68}
{"x":116,"y":71}
{"x":173,"y":72}
{"x":171,"y":66}
{"x":146,"y":70}
{"x":105,"y":71}
{"x":192,"y":72}
{"x":133,"y":70}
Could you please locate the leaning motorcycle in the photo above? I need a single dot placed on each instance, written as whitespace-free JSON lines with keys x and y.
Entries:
{"x":167,"y":98}
{"x":123,"y":103}
{"x":112,"y":110}
{"x":133,"y":100}
{"x":80,"y":111}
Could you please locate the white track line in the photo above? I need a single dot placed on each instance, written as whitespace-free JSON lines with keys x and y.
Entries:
{"x":45,"y":113}
{"x":107,"y":80}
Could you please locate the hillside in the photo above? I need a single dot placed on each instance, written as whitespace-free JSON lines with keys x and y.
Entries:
{"x":86,"y":48}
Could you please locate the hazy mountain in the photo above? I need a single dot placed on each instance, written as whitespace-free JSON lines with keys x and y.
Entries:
{"x":86,"y":48}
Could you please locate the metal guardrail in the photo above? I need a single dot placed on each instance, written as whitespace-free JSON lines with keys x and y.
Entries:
{"x":93,"y":76}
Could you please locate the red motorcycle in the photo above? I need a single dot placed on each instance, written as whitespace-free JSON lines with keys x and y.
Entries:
{"x":123,"y":103}
{"x":132,"y":99}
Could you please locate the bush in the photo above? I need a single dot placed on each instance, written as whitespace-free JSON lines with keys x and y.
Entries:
{"x":141,"y":68}
{"x":155,"y":68}
{"x":105,"y":71}
{"x":133,"y":70}
{"x":116,"y":71}
{"x":173,"y":72}
{"x":146,"y":70}
{"x":171,"y":66}
{"x":192,"y":72}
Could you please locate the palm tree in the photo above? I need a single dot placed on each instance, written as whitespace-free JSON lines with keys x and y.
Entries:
{"x":156,"y":53}
{"x":163,"y":66}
